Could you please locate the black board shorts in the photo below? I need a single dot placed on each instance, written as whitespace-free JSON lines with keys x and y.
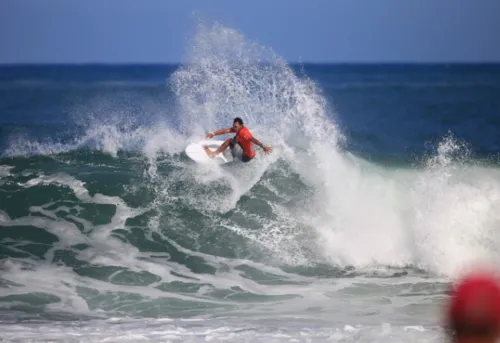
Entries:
{"x":241,"y":155}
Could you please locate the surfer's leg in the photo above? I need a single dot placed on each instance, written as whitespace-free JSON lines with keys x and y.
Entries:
{"x":209,"y":152}
{"x":220,"y":149}
{"x":232,"y":144}
{"x":224,"y":146}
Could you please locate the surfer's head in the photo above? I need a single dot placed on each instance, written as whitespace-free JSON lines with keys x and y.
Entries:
{"x":237,"y":124}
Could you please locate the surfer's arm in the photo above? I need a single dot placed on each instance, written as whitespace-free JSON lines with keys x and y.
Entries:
{"x":257,"y":142}
{"x":220,"y":132}
{"x":267,"y":149}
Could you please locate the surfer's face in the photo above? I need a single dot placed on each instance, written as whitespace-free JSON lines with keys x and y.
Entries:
{"x":236,"y":126}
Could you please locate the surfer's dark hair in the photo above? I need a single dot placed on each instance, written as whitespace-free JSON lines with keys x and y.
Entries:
{"x":238,"y":120}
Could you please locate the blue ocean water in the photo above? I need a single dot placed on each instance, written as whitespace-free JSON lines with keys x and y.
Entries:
{"x":384,"y":110}
{"x":383,"y":185}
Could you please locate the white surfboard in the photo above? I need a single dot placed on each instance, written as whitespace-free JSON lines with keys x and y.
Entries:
{"x":196,"y":152}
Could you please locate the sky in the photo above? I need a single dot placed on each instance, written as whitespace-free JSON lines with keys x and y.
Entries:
{"x":338,"y":31}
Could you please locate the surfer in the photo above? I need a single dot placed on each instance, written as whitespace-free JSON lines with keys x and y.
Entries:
{"x":243,"y":137}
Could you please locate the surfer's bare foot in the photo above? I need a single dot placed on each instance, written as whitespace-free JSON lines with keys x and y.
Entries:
{"x":209,"y":152}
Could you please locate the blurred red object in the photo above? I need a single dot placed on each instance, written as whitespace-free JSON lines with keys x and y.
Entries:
{"x":473,"y":313}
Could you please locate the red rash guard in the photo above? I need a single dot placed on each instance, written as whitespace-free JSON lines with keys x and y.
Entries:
{"x":244,"y":139}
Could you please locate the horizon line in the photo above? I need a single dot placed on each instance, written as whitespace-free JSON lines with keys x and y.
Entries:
{"x":288,"y":62}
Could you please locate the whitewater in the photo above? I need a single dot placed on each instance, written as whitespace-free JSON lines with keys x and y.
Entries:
{"x":110,"y":233}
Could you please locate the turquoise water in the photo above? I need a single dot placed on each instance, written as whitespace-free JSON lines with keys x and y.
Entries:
{"x":383,"y":185}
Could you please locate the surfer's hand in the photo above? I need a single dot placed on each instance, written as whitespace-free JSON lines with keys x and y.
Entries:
{"x":267,"y":149}
{"x":209,"y":135}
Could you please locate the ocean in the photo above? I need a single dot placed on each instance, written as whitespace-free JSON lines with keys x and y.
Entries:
{"x":383,"y":185}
